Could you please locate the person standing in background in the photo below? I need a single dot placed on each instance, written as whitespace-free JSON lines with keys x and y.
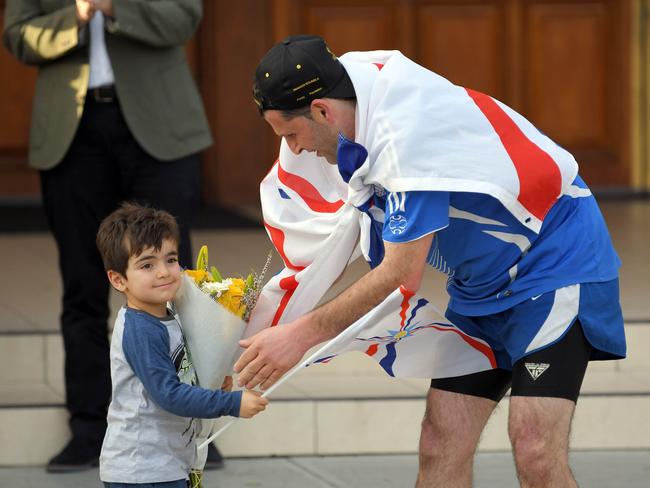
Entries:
{"x":116,"y":116}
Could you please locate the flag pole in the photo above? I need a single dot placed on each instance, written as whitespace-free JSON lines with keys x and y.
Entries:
{"x":343,"y":336}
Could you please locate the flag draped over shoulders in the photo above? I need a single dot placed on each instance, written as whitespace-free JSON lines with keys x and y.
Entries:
{"x":312,"y":228}
{"x":421,"y":133}
{"x":316,"y":233}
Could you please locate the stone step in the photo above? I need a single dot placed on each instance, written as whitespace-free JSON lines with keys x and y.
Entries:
{"x":37,"y":357}
{"x":31,"y":435}
{"x":348,"y":406}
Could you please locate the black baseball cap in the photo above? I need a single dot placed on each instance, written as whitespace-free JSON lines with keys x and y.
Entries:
{"x":298,"y":70}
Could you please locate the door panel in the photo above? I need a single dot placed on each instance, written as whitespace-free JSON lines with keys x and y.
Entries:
{"x":573,"y":90}
{"x":448,"y":36}
{"x":353,"y":28}
{"x":564,"y":64}
{"x":16,"y":90}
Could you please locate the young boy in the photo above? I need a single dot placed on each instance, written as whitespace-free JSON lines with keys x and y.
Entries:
{"x":151,"y":418}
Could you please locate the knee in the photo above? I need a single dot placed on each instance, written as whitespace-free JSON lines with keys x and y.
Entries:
{"x":534,"y":453}
{"x":438,"y":440}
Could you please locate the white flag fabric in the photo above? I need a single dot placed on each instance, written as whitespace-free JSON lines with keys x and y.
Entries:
{"x":316,"y":234}
{"x":421,"y":133}
{"x":409,"y":338}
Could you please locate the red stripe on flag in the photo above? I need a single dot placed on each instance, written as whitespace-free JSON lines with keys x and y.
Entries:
{"x":307,"y":192}
{"x":479,"y":346}
{"x":289,"y":284}
{"x":372,"y":350}
{"x":277,"y":236}
{"x":540,"y":181}
{"x":407,"y":294}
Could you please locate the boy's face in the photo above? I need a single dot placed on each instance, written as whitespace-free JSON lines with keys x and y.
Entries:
{"x":152,"y":279}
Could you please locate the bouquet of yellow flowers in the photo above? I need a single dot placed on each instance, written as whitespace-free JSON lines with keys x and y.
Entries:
{"x":213,"y":312}
{"x":237,"y":295}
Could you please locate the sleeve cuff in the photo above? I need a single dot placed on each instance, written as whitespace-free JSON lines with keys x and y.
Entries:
{"x":236,"y":403}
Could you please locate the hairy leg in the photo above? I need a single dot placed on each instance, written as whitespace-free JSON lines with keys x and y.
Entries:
{"x":451,"y":430}
{"x":539,"y":431}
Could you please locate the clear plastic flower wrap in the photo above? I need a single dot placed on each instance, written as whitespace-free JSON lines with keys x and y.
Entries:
{"x":213,"y":312}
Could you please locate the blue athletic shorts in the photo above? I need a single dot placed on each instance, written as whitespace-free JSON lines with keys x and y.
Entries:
{"x":543,"y":320}
{"x":543,"y":345}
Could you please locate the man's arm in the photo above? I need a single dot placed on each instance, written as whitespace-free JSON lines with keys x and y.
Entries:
{"x":37,"y":38}
{"x":273,"y":351}
{"x":164,"y":23}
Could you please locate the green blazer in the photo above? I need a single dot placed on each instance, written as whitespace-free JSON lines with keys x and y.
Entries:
{"x":144,"y":40}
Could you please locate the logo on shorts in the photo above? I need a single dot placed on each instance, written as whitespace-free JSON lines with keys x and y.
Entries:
{"x":536,"y":369}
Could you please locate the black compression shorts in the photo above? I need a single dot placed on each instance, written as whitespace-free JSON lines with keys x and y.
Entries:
{"x":555,"y":371}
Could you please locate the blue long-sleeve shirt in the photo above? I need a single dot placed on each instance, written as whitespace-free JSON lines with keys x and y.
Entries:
{"x":151,"y":418}
{"x":146,"y":345}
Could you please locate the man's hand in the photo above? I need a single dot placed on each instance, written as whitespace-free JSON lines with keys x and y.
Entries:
{"x":251,"y":404}
{"x":105,"y":6}
{"x":269,"y":354}
{"x":273,"y":351}
{"x":85,"y":11}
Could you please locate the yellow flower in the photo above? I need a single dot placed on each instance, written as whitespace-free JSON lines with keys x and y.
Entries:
{"x":238,"y":286}
{"x":198,"y":275}
{"x":232,"y":299}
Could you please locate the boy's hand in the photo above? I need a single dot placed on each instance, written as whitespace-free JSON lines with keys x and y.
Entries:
{"x":227,"y":383}
{"x":251,"y":404}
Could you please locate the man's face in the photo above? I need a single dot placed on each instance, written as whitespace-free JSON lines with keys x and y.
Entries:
{"x":304,"y":134}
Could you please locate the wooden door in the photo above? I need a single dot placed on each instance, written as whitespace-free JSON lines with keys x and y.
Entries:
{"x":17,"y":181}
{"x":564,"y":64}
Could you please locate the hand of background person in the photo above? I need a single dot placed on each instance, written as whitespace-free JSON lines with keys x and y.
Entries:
{"x":227,"y":383}
{"x":269,"y":354}
{"x":251,"y":404}
{"x":85,"y":11}
{"x":105,"y":6}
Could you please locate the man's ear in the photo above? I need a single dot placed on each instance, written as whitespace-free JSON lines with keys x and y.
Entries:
{"x":117,"y":280}
{"x":321,"y":110}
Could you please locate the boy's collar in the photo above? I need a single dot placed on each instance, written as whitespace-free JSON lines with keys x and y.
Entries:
{"x":166,"y":318}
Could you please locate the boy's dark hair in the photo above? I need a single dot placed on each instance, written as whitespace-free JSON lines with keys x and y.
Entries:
{"x":129,"y":230}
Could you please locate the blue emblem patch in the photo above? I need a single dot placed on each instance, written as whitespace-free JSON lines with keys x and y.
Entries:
{"x":397,"y":224}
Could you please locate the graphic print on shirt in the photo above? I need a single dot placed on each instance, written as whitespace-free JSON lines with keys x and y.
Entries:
{"x":183,"y":366}
{"x":403,"y":223}
{"x":397,"y":224}
{"x":186,"y":374}
{"x":520,"y":240}
{"x":435,"y":260}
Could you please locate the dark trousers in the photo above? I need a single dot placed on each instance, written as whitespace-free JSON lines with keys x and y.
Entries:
{"x":103,"y":167}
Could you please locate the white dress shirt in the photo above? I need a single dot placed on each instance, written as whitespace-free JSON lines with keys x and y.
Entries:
{"x":101,"y":71}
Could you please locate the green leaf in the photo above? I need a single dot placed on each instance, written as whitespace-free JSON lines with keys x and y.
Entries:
{"x":250,"y":281}
{"x":202,"y":258}
{"x":215,"y":274}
